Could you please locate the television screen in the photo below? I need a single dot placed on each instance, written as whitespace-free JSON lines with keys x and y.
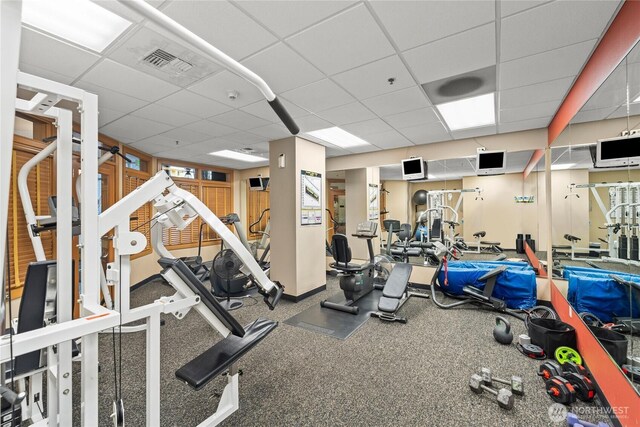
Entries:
{"x":255,"y":184}
{"x":265,"y":183}
{"x":413,"y":168}
{"x":491,"y":162}
{"x":620,"y":148}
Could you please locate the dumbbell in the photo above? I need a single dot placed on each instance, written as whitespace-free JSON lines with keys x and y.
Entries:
{"x":573,"y":421}
{"x":550,"y":369}
{"x":503,"y":396}
{"x":574,"y":367}
{"x":575,"y":374}
{"x":517,"y":387}
{"x":560,"y":390}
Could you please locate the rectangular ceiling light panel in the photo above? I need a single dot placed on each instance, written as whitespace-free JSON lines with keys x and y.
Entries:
{"x":79,"y":21}
{"x":469,"y":112}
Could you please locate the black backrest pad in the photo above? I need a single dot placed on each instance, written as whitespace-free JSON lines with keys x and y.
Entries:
{"x":207,"y":298}
{"x":31,"y":311}
{"x":340,"y":249}
{"x":436,"y":229}
{"x":388,"y":223}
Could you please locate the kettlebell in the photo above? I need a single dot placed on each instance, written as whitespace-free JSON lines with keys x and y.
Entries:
{"x":502,"y":331}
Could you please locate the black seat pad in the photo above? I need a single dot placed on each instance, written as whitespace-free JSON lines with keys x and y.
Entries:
{"x":397,"y":281}
{"x":408,"y":251}
{"x":198,"y":372}
{"x":349,"y":267}
{"x":388,"y":305}
{"x":480,"y":234}
{"x":486,"y":242}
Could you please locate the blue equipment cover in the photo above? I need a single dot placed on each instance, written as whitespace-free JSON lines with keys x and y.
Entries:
{"x":594,"y":291}
{"x":516,"y":286}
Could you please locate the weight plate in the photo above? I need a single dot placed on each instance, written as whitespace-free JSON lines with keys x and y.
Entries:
{"x":567,"y":354}
{"x":543,"y":312}
{"x":591,"y":319}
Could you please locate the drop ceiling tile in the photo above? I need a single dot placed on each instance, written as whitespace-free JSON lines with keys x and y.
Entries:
{"x":552,"y":65}
{"x":397,"y":102}
{"x":191,"y":103}
{"x":349,"y":39}
{"x":412,"y":118}
{"x":287,"y":17}
{"x":553,"y":25}
{"x":45,"y":52}
{"x":334,"y":152}
{"x":367,"y":127}
{"x":348,"y":113}
{"x":412,"y":23}
{"x":363,"y":149}
{"x":129,"y":128}
{"x":107,"y":115}
{"x":427,"y":133}
{"x":135,"y":48}
{"x":318,"y":96}
{"x":111,"y":99}
{"x":221,"y":24}
{"x":183,"y":154}
{"x":634,"y":110}
{"x":508,"y":8}
{"x":45,"y":73}
{"x":218,"y":86}
{"x":593,"y":115}
{"x":538,"y":123}
{"x":544,"y":109}
{"x":261,"y":148}
{"x":311,"y":123}
{"x":239,"y":120}
{"x":536,"y":93}
{"x":475,"y":132}
{"x":156,"y":144}
{"x":263,"y":110}
{"x":461,"y":53}
{"x":111,"y":75}
{"x":186,"y":136}
{"x":282,"y":68}
{"x":210,"y":128}
{"x":372,"y":79}
{"x":388,"y":139}
{"x":124,"y":11}
{"x":272,"y":131}
{"x":166,"y":115}
{"x":245,"y":139}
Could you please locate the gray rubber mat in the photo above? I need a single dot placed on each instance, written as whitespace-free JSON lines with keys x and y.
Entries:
{"x":335,"y":323}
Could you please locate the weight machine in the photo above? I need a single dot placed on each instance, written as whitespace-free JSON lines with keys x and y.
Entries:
{"x":621,"y":216}
{"x":176,"y":207}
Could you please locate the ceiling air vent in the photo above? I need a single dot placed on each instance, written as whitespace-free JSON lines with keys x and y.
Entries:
{"x":167,"y":62}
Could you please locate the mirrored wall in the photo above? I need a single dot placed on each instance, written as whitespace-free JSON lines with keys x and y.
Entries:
{"x":596,"y":228}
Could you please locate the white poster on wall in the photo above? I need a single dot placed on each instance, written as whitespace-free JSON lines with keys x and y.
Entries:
{"x":374,"y":197}
{"x":310,"y":198}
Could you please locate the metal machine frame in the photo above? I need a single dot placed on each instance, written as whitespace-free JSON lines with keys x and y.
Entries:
{"x":177,"y":207}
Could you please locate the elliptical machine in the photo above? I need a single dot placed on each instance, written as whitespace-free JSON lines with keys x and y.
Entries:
{"x":356,"y":280}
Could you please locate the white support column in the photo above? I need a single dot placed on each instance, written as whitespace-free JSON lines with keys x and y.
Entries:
{"x":153,"y":370}
{"x":64,"y":255}
{"x":90,"y":253}
{"x":10,"y":28}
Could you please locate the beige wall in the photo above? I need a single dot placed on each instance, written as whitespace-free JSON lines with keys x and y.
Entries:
{"x":356,"y":207}
{"x":397,"y":200}
{"x":295,"y":249}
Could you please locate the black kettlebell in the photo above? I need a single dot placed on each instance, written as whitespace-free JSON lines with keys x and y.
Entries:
{"x":502,"y":332}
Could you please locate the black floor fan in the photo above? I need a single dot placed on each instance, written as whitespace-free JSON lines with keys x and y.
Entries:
{"x":226,"y":266}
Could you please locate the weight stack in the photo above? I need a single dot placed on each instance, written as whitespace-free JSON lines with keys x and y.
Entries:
{"x":10,"y":418}
{"x":623,"y":242}
{"x":635,"y":255}
{"x":594,"y":245}
{"x":519,"y":244}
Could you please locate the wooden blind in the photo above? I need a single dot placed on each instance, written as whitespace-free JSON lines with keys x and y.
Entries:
{"x":218,"y":199}
{"x":40,"y":183}
{"x":188,"y":236}
{"x":140,"y":220}
{"x":257,"y":202}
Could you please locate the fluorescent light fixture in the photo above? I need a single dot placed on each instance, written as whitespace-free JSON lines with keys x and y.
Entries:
{"x":338,"y":137}
{"x":78,"y":21}
{"x":562,"y":166}
{"x":236,"y":155}
{"x":637,"y":99}
{"x":469,"y":112}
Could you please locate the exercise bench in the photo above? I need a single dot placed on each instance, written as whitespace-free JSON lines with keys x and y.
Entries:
{"x":395,"y":294}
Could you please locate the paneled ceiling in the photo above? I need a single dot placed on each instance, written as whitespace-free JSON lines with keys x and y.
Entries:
{"x":329,"y":61}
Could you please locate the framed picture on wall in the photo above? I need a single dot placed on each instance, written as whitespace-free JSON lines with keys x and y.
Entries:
{"x":374,"y":202}
{"x":310,"y":198}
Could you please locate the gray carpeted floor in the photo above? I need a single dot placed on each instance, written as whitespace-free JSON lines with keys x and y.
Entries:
{"x":384,"y":374}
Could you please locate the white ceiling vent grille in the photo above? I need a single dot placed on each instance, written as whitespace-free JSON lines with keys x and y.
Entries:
{"x":167,"y":62}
